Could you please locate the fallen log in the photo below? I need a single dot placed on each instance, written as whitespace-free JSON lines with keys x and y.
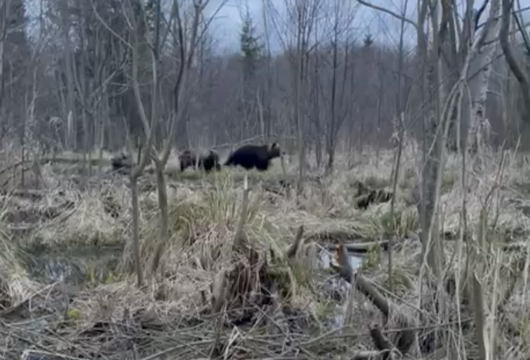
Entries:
{"x":359,"y":247}
{"x":382,"y":344}
{"x":337,"y":237}
{"x":407,"y":335}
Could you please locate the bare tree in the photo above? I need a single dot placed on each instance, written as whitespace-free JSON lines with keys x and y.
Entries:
{"x":401,"y":134}
{"x":84,"y":77}
{"x":522,"y":78}
{"x":302,"y":16}
{"x":343,"y":16}
{"x":186,"y":58}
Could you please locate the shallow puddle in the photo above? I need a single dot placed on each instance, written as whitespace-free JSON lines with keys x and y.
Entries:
{"x":73,"y":266}
{"x":355,"y":260}
{"x":337,"y":288}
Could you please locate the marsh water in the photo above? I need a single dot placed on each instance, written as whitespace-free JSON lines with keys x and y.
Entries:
{"x":74,"y":266}
{"x":78,"y":264}
{"x":355,"y":260}
{"x":81,"y":265}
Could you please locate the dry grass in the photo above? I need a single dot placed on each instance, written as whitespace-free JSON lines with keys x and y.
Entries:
{"x":110,"y":316}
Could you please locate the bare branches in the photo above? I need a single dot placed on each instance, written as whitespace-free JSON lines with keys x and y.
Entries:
{"x":368,"y":289}
{"x":522,"y":30}
{"x":389,"y":12}
{"x":104,"y":23}
{"x":186,"y":57}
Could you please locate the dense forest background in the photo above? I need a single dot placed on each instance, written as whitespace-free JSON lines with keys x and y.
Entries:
{"x":68,"y":82}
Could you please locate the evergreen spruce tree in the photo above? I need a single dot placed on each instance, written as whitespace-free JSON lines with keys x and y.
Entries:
{"x":251,"y":48}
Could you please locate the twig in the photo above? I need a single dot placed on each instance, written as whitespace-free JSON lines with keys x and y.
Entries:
{"x":239,"y":235}
{"x":178,"y":347}
{"x":382,"y":343}
{"x":480,"y":320}
{"x":360,"y":247}
{"x":295,"y":246}
{"x":16,"y":306}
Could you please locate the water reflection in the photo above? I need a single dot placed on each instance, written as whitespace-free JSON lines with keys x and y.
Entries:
{"x":70,"y":265}
{"x":355,"y":260}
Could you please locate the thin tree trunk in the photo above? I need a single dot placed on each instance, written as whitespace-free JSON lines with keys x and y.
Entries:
{"x":136,"y":229}
{"x":332,"y":131}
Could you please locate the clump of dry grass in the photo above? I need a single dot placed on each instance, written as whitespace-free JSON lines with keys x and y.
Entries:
{"x":15,"y":285}
{"x":86,"y":222}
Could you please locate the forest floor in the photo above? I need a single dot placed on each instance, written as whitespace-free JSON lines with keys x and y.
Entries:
{"x":68,"y":285}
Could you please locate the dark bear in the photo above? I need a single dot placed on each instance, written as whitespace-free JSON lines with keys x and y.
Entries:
{"x":121,"y":163}
{"x":206,"y":162}
{"x":254,"y":156}
{"x":187,"y":159}
{"x":210,"y":161}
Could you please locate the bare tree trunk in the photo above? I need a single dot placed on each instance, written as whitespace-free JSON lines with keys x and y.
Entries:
{"x":298,"y":111}
{"x":512,"y":120}
{"x":149,"y":130}
{"x":4,"y":15}
{"x":261,"y":116}
{"x":379,"y":112}
{"x":479,"y":84}
{"x":269,"y":92}
{"x":180,"y":99}
{"x":135,"y":214}
{"x":510,"y":58}
{"x":163,"y":234}
{"x":316,"y":110}
{"x":70,"y":96}
{"x":434,"y":140}
{"x":401,"y":135}
{"x":102,"y":126}
{"x":300,"y":89}
{"x":330,"y":143}
{"x":84,"y":118}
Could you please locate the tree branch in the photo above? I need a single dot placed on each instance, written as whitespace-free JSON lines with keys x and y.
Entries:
{"x":389,"y":12}
{"x":521,"y":28}
{"x":510,"y":58}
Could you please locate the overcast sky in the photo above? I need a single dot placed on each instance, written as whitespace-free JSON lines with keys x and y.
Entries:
{"x":381,"y":26}
{"x":384,"y":28}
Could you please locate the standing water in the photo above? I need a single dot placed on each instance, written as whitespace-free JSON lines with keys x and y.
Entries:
{"x":74,"y":266}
